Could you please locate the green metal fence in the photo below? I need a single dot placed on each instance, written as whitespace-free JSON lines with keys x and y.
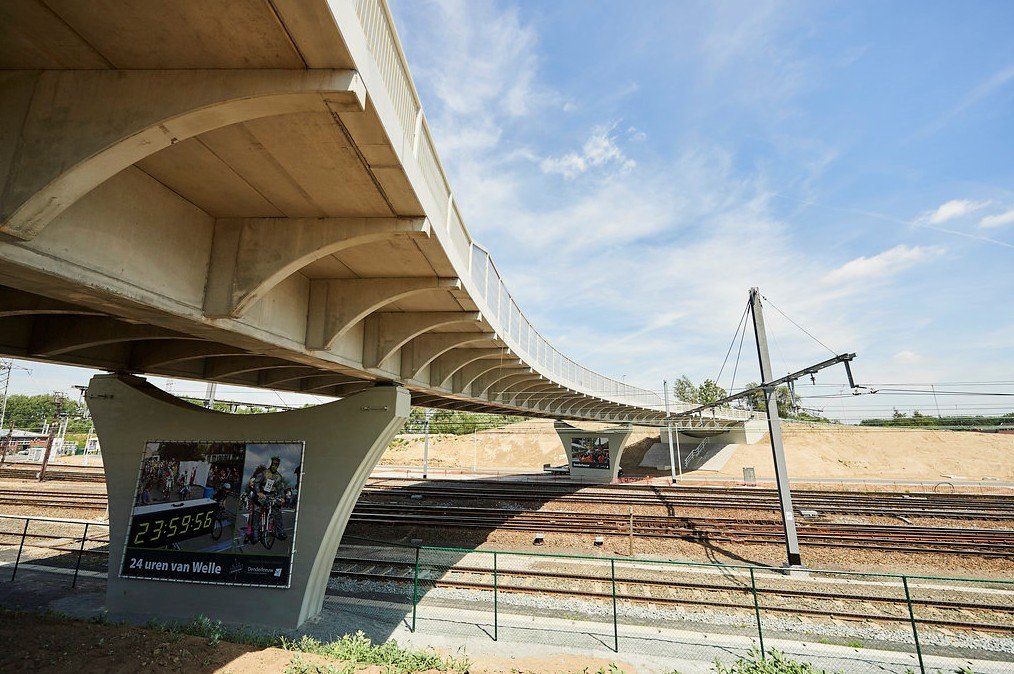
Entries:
{"x":700,"y":612}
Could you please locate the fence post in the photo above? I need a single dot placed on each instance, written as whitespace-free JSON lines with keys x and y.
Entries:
{"x":496,"y":588}
{"x":616,"y":629}
{"x":415,"y":588}
{"x":756,"y":610}
{"x":77,"y":567}
{"x":20,"y":548}
{"x":915,"y":629}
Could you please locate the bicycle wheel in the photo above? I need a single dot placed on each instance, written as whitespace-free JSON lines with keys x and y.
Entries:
{"x":216,"y":529}
{"x":267,"y":531}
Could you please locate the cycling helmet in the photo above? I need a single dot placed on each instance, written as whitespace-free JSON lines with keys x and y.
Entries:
{"x":226,"y":486}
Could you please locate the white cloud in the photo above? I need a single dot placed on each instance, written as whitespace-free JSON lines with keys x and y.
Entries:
{"x":599,"y":150}
{"x":906,"y":357}
{"x":883,"y":264}
{"x":956,"y":208}
{"x":998,"y":220}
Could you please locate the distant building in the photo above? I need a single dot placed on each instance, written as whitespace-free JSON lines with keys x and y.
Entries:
{"x":14,"y":441}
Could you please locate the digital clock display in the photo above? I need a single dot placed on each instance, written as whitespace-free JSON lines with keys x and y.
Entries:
{"x":157,"y":526}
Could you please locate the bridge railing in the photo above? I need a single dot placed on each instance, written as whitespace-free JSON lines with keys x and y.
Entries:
{"x":483,"y":281}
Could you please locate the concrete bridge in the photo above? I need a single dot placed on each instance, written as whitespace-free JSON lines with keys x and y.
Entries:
{"x":248,"y":193}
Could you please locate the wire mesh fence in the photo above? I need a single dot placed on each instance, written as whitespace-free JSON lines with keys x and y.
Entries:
{"x":687,"y":611}
{"x":702,"y":612}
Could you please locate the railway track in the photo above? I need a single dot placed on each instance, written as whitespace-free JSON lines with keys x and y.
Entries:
{"x":997,"y":543}
{"x":75,"y":500}
{"x":887,"y":504}
{"x":29,"y":471}
{"x":948,"y":540}
{"x":842,"y":598}
{"x":681,"y":592}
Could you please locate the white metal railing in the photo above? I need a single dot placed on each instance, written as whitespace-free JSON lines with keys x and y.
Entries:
{"x":483,"y":281}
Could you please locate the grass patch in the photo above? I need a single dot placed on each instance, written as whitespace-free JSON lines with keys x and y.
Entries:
{"x":357,"y":649}
{"x":214,"y":631}
{"x":300,"y":666}
{"x":775,"y":662}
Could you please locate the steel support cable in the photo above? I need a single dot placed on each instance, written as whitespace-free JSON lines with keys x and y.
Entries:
{"x":739,"y":326}
{"x":833,"y":352}
{"x":735,"y":369}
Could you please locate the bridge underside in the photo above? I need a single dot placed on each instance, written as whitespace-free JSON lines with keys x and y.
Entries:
{"x":243,"y":193}
{"x":35,"y":327}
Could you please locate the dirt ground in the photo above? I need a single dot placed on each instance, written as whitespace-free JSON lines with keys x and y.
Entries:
{"x":812,"y":451}
{"x":46,"y":643}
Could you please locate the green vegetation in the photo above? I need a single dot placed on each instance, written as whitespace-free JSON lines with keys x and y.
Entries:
{"x":774,"y":663}
{"x":789,"y":405}
{"x":30,"y":413}
{"x":353,"y":650}
{"x":299,"y":666}
{"x":455,"y":422}
{"x":920,"y":420}
{"x":232,"y":408}
{"x":215,"y":632}
{"x":357,"y":649}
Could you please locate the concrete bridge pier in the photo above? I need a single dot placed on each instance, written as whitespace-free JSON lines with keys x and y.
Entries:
{"x":342,"y":442}
{"x":593,"y":456}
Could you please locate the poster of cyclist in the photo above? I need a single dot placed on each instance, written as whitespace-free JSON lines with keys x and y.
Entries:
{"x":589,"y":453}
{"x":215,"y":512}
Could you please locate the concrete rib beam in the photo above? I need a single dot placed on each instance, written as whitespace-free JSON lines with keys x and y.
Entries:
{"x":250,"y":256}
{"x":338,"y":304}
{"x":424,"y":349}
{"x":149,"y":356}
{"x":443,"y":368}
{"x":56,"y":335}
{"x":84,"y":126}
{"x":16,"y":303}
{"x":385,"y":333}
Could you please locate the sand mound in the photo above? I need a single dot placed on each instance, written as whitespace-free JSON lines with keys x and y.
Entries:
{"x":825,"y":451}
{"x":870,"y":452}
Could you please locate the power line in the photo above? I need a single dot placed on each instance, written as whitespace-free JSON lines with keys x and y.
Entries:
{"x":833,"y":352}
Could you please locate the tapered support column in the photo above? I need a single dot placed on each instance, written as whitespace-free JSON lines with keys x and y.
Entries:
{"x":342,"y":441}
{"x":594,"y":456}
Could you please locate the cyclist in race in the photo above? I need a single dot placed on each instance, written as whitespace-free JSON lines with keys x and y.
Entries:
{"x":269,"y":486}
{"x":251,"y":503}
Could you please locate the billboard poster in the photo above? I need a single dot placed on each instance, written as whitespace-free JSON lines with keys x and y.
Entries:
{"x":589,"y":453}
{"x":215,"y":512}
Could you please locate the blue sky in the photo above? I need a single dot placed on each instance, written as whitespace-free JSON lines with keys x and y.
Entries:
{"x":635,"y":167}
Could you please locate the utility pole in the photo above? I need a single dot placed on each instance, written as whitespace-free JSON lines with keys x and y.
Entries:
{"x":426,"y":443}
{"x":52,"y":435}
{"x":672,"y":459}
{"x":775,"y":431}
{"x":6,"y":367}
{"x":209,"y":395}
{"x":668,"y":425}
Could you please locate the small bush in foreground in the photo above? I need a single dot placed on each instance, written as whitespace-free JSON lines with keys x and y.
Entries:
{"x":300,"y":666}
{"x":358,"y":649}
{"x":774,"y":663}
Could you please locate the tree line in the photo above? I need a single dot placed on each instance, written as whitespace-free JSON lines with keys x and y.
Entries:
{"x":456,"y":422}
{"x":790,"y":406}
{"x":30,"y":413}
{"x":920,"y":420}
